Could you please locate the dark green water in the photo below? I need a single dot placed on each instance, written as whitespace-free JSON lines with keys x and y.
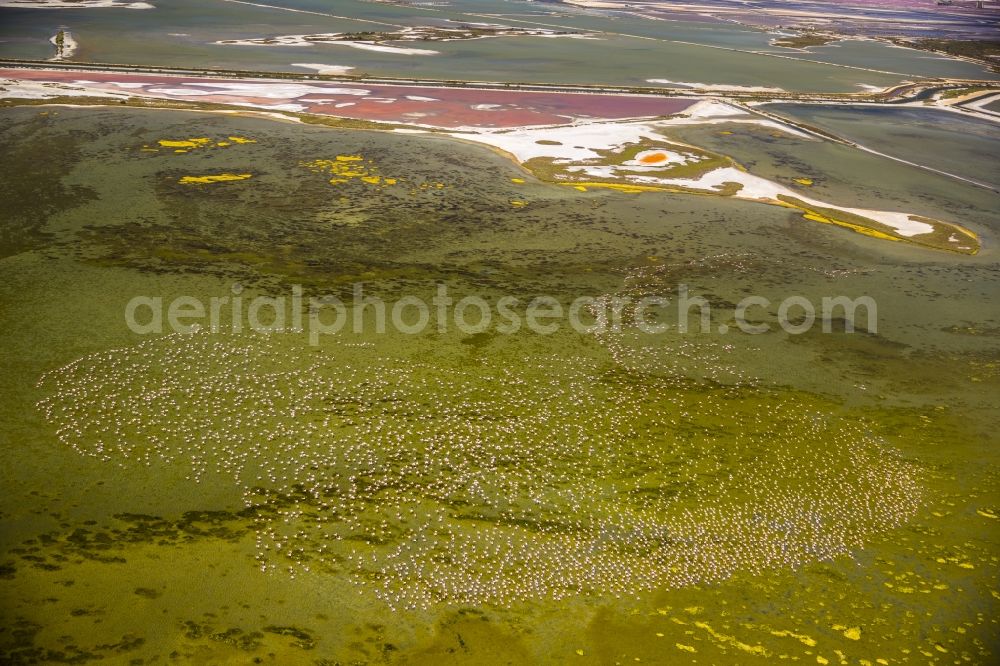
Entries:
{"x":451,"y":498}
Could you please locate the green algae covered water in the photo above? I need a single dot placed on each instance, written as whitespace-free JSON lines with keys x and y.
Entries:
{"x":605,"y":497}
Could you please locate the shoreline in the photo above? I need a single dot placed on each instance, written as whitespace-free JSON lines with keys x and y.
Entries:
{"x":891,"y":94}
{"x":736,"y":183}
{"x":65,"y":45}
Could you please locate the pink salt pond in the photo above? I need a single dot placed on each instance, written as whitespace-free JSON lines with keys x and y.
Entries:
{"x":437,"y":107}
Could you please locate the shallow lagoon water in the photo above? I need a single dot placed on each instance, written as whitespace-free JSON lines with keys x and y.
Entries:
{"x":891,"y":58}
{"x":945,"y":140}
{"x":139,"y":561}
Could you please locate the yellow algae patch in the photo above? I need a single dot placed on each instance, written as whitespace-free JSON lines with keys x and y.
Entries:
{"x":805,"y":640}
{"x":184,"y":143}
{"x":986,"y":513}
{"x":631,"y":189}
{"x":822,"y":660}
{"x":517,"y":181}
{"x":580,"y":652}
{"x":732,"y":640}
{"x":686,"y":648}
{"x":804,"y":181}
{"x":581,"y":188}
{"x":816,"y":217}
{"x":852,"y":633}
{"x":345,"y":168}
{"x":216,"y":178}
{"x":518,"y":204}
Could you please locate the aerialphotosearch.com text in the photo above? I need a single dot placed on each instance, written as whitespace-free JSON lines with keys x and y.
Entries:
{"x":363,"y":313}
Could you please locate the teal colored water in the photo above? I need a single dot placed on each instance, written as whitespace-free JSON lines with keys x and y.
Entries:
{"x":944,"y":140}
{"x":629,"y":51}
{"x":891,"y":58}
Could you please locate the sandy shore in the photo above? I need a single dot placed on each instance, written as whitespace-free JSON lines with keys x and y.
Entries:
{"x":65,"y":45}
